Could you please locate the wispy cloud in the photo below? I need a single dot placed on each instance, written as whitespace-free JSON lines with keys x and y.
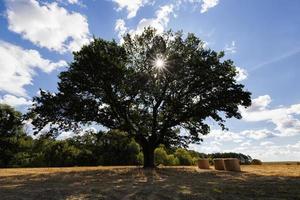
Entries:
{"x":276,"y":59}
{"x":230,"y":48}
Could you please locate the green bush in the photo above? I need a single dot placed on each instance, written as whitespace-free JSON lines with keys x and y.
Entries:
{"x":140,"y":158}
{"x":160,"y":156}
{"x":184,"y":157}
{"x":172,"y":160}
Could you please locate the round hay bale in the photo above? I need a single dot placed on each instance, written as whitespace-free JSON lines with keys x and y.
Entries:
{"x":219,"y":164}
{"x":203,"y":164}
{"x":232,"y":164}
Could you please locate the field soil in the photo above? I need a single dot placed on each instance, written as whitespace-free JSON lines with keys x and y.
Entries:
{"x":272,"y":181}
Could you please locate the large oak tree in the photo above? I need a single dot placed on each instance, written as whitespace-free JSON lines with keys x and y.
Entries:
{"x":151,"y":86}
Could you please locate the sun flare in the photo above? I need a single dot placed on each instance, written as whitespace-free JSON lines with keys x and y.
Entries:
{"x":160,"y":63}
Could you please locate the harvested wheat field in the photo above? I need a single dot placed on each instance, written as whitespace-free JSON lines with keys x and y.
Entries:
{"x":254,"y":182}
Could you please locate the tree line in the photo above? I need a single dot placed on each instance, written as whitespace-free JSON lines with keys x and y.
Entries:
{"x":114,"y":147}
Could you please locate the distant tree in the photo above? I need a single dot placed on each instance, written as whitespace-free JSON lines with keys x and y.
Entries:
{"x":244,"y":159}
{"x":151,"y":86}
{"x":117,"y":148}
{"x":11,"y":131}
{"x":22,"y":151}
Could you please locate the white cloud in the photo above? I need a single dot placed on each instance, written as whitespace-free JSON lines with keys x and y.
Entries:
{"x":160,"y":22}
{"x":207,"y":4}
{"x":284,"y":118}
{"x":260,"y":103}
{"x":211,"y":147}
{"x":121,"y":28}
{"x":287,"y":125}
{"x":15,"y":101}
{"x":242,"y":74}
{"x":69,"y":134}
{"x":245,"y":144}
{"x":132,"y":6}
{"x":266,"y":150}
{"x":252,"y":142}
{"x":290,"y":152}
{"x":230,"y":48}
{"x":266,"y":143}
{"x":48,"y":25}
{"x":238,"y":137}
{"x":238,"y":141}
{"x":257,"y":134}
{"x":224,"y":136}
{"x":69,"y":2}
{"x":73,"y":1}
{"x":17,"y":67}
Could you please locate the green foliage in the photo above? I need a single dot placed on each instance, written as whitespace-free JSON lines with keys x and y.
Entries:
{"x":163,"y":158}
{"x":21,"y":159}
{"x":140,"y":158}
{"x":90,"y":149}
{"x":60,"y":153}
{"x":173,"y":160}
{"x":184,"y":157}
{"x":12,"y":136}
{"x":120,"y":87}
{"x":10,"y":121}
{"x":114,"y":147}
{"x":118,"y":149}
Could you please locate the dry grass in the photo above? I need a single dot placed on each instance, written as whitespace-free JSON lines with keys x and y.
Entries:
{"x":272,"y":181}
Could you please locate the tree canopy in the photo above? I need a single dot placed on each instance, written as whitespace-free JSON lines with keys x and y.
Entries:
{"x":151,"y":86}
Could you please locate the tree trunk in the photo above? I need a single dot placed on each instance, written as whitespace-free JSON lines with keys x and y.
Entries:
{"x":148,"y":156}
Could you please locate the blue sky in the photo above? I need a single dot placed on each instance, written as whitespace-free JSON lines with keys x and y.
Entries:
{"x":261,"y":37}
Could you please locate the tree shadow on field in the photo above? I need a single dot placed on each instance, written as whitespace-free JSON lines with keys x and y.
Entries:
{"x":136,"y":183}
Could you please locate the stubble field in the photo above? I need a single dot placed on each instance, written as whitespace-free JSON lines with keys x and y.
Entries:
{"x":268,"y":181}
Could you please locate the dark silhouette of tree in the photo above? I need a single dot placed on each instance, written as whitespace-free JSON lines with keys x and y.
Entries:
{"x":151,"y":86}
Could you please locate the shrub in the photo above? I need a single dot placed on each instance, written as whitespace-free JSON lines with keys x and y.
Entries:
{"x":161,"y":156}
{"x":256,"y":162}
{"x":184,"y":157}
{"x":140,"y":158}
{"x":172,"y":160}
